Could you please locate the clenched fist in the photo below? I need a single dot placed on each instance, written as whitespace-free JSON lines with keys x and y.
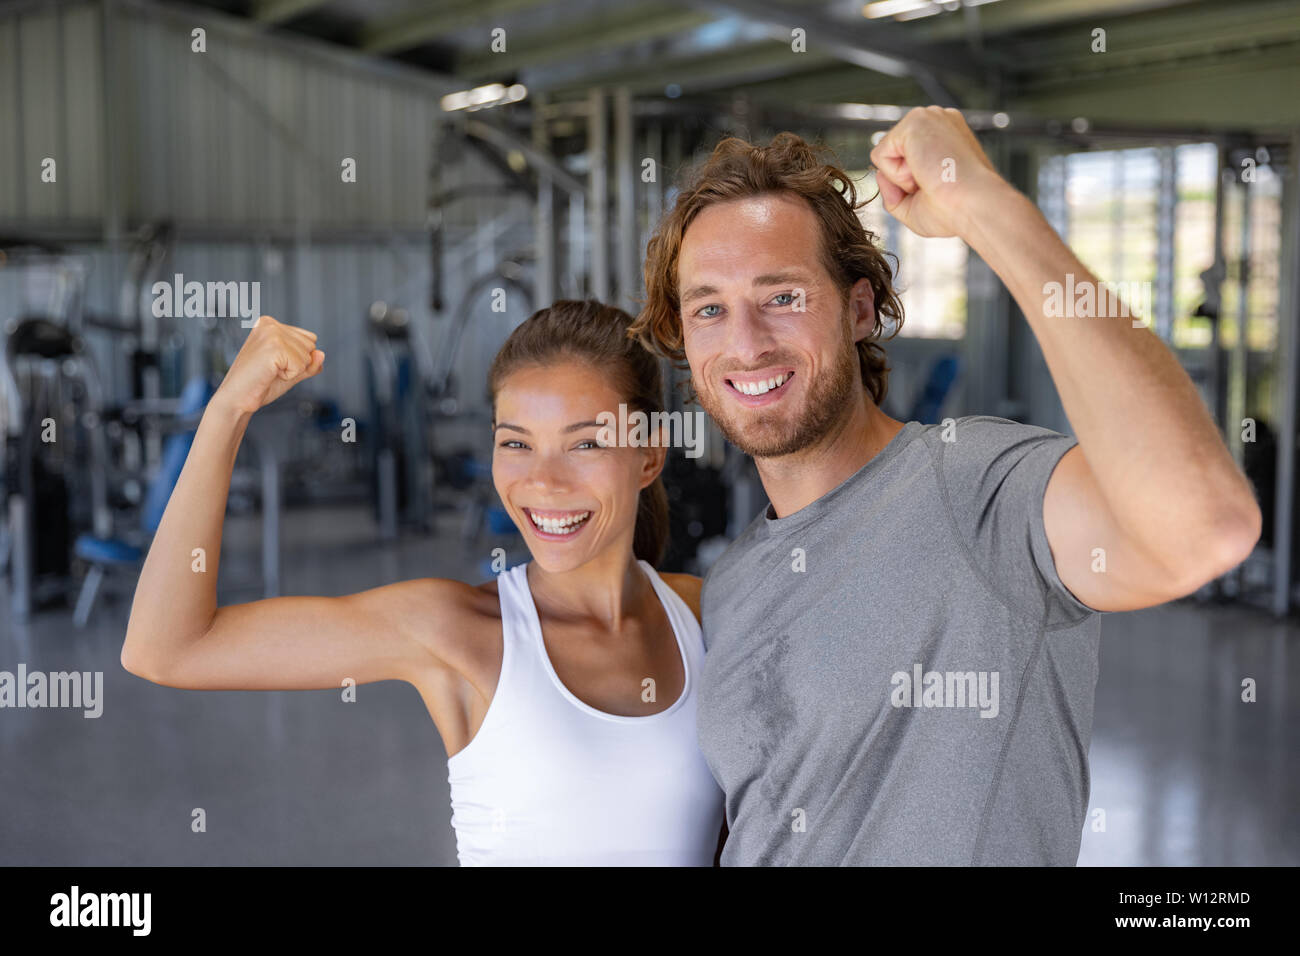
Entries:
{"x":273,"y":359}
{"x":931,"y":169}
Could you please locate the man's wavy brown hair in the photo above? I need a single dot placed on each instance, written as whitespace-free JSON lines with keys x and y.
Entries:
{"x":737,"y":170}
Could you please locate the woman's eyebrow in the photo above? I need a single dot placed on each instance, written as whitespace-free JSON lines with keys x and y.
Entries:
{"x":576,"y":426}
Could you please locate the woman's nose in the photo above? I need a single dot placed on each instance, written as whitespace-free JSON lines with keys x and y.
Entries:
{"x":548,"y":474}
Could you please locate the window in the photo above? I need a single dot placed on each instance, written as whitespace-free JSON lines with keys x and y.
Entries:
{"x":931,"y":273}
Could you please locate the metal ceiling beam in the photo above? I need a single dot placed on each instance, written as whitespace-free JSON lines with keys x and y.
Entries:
{"x":999,"y":18}
{"x":407,"y":30}
{"x":1018,"y":124}
{"x":277,"y":11}
{"x":1206,"y":89}
{"x":838,"y":83}
{"x":1157,"y":40}
{"x":505,"y":141}
{"x":750,"y":63}
{"x":882,"y":47}
{"x":622,"y":27}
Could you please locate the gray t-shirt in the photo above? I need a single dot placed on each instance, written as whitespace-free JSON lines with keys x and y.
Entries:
{"x":895,"y":673}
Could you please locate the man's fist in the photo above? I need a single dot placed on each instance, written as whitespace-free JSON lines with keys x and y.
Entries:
{"x":929,"y":167}
{"x":273,"y":359}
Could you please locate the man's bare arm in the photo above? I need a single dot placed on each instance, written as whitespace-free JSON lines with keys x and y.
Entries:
{"x":1151,"y":481}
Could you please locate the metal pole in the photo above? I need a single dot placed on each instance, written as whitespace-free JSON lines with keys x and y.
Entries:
{"x":1239,"y":376}
{"x":1217,"y":369}
{"x":1238,"y":373}
{"x":20,"y":556}
{"x":270,"y":518}
{"x":625,"y":166}
{"x":1288,"y":330}
{"x":655,"y":188}
{"x":577,"y":252}
{"x":545,"y":280}
{"x":1166,"y":213}
{"x":598,"y":205}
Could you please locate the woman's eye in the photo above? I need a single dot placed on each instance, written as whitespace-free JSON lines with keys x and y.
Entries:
{"x":513,"y":443}
{"x":708,"y":315}
{"x":588,"y":443}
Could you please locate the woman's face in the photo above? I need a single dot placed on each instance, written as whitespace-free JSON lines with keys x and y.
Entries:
{"x":571,"y":498}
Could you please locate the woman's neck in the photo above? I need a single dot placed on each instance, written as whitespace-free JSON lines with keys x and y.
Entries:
{"x":607,"y":589}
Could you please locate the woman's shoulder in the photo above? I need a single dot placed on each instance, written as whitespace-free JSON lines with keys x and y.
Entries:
{"x":451,"y":618}
{"x":685,"y":586}
{"x":448,"y":598}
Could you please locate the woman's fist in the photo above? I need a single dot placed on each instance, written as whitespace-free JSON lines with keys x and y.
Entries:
{"x":273,"y":359}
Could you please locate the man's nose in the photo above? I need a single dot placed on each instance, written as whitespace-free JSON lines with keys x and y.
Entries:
{"x":749,"y":336}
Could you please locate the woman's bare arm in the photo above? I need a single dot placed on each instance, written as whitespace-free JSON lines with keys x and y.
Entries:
{"x":179,"y":637}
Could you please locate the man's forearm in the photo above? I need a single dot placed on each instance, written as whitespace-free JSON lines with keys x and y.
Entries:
{"x":1148,"y":439}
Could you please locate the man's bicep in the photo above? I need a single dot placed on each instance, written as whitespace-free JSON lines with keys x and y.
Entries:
{"x":1099,"y":564}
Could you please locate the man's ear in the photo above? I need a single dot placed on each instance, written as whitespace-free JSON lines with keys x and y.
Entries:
{"x":862,"y":309}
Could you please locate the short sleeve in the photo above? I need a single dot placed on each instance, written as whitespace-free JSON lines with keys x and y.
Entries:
{"x":994,"y":474}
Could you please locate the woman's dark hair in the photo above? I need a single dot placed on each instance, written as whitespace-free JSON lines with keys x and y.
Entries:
{"x":596,"y":334}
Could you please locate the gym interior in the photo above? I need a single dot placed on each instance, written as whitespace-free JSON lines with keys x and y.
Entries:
{"x":412,"y":180}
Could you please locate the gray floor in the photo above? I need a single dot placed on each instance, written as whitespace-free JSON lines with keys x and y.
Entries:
{"x":1185,"y":772}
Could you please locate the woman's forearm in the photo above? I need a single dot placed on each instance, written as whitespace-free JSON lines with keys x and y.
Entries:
{"x":176,"y":596}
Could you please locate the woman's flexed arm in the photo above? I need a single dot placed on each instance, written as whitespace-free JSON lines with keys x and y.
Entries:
{"x":178,"y":636}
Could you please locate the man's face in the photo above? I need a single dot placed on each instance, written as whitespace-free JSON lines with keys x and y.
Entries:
{"x":774,"y":378}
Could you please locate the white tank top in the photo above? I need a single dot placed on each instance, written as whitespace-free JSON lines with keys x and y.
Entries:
{"x":549,"y":780}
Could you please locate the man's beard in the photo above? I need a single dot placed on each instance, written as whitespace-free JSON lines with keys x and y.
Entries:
{"x":771,"y":433}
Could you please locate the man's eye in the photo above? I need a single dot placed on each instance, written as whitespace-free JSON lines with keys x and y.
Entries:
{"x":784,"y":295}
{"x":702,"y":313}
{"x":588,"y":443}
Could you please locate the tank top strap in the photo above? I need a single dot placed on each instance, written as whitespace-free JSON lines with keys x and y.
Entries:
{"x":512,"y":589}
{"x":679,"y":612}
{"x":518,"y":621}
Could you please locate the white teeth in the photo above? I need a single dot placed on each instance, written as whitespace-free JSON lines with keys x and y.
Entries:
{"x":566,"y":525}
{"x":762,"y":388}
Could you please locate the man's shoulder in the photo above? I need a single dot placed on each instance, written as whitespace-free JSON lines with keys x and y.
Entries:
{"x":984,"y":429}
{"x":962,"y":448}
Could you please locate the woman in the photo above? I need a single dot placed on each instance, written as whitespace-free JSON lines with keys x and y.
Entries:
{"x":564,"y":690}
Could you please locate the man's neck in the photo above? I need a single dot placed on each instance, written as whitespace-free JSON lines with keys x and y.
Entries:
{"x":793,"y":482}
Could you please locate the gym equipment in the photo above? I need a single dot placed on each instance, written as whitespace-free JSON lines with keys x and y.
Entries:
{"x":107,"y":553}
{"x":398,"y":439}
{"x":54,"y":474}
{"x":50,"y":387}
{"x":937,"y":385}
{"x":409,"y":393}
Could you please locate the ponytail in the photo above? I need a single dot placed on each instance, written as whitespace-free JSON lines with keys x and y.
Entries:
{"x":650,"y":540}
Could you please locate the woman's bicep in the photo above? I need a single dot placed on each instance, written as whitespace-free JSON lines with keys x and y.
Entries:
{"x":309,"y":643}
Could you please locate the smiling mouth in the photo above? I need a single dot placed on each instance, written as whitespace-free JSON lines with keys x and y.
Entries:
{"x":557,"y":524}
{"x":758,"y":387}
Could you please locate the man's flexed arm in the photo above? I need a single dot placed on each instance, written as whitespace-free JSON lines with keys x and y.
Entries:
{"x":1150,"y":482}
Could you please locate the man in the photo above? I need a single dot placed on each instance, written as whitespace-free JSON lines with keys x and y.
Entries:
{"x":902,"y":649}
